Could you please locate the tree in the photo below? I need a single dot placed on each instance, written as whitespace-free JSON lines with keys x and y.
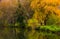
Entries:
{"x":8,"y":9}
{"x":43,"y":9}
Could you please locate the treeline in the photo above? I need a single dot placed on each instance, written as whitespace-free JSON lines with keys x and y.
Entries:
{"x":31,"y":13}
{"x":23,"y":16}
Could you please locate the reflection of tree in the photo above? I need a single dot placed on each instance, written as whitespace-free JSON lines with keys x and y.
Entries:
{"x":22,"y":34}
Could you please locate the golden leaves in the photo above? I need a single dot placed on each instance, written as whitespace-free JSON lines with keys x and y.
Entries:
{"x":44,"y":7}
{"x":34,"y":3}
{"x":41,"y":3}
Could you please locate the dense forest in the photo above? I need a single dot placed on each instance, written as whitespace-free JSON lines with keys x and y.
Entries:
{"x":29,"y":19}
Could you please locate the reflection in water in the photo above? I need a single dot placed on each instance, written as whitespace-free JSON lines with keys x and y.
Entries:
{"x":7,"y":33}
{"x":11,"y":33}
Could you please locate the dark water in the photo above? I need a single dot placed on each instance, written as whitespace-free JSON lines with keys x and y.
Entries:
{"x":17,"y":33}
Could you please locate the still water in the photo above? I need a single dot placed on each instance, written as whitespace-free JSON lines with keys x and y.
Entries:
{"x":17,"y":33}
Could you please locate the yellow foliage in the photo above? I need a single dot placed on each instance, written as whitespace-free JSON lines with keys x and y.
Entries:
{"x":57,"y":12}
{"x":52,"y":1}
{"x":48,"y":5}
{"x":42,"y":8}
{"x":33,"y":22}
{"x":41,"y":3}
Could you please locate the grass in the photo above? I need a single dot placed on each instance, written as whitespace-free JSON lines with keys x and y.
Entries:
{"x":51,"y":28}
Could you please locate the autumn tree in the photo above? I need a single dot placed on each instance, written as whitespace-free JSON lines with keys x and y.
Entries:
{"x":44,"y":9}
